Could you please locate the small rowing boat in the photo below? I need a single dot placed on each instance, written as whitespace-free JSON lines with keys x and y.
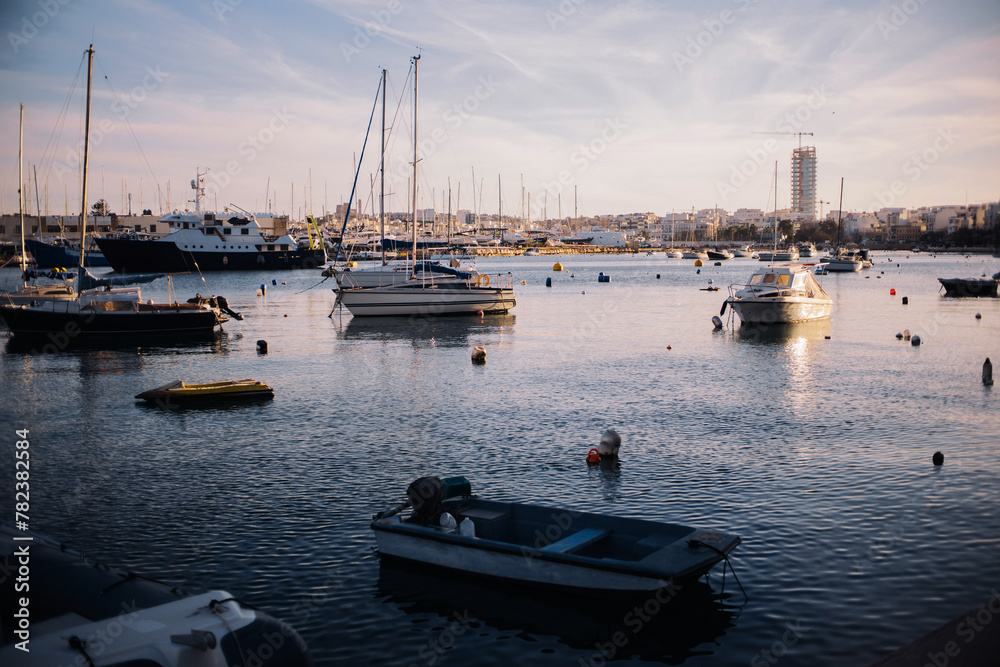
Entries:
{"x":227,"y":390}
{"x":593,"y":554}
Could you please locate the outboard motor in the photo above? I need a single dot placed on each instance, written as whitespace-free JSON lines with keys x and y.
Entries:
{"x":426,"y":495}
{"x":224,"y":307}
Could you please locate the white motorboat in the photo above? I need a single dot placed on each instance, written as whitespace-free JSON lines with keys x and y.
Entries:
{"x":786,"y":255}
{"x":592,"y":554}
{"x":719,"y":253}
{"x":843,"y":262}
{"x":83,"y":613}
{"x":695,"y":254}
{"x":807,"y":250}
{"x":779,"y":294}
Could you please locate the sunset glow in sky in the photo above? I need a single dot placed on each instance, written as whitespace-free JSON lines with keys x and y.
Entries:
{"x":641,"y":105}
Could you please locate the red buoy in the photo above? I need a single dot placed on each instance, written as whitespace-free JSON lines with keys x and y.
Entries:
{"x":593,"y":457}
{"x":892,"y":292}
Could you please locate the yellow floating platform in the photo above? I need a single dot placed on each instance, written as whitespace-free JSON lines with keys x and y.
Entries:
{"x":179,"y":391}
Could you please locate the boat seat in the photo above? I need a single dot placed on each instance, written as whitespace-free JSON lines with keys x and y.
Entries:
{"x":576,"y":541}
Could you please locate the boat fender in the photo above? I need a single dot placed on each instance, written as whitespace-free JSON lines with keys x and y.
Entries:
{"x":716,"y":320}
{"x":724,"y":304}
{"x":467,"y":528}
{"x":593,"y":457}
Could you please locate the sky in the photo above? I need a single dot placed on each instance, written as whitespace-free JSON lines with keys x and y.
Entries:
{"x":635,"y":106}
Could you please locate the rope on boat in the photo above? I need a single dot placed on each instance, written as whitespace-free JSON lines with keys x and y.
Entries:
{"x":316,"y":285}
{"x":216,"y":607}
{"x":81,"y":646}
{"x":726,"y":563}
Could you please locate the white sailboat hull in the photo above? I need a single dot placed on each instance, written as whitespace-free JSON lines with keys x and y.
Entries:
{"x":426,"y":300}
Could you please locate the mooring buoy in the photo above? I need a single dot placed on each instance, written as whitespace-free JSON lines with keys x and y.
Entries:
{"x":915,"y":340}
{"x":479,"y":355}
{"x":938,"y":458}
{"x":262,"y":347}
{"x":906,"y":300}
{"x":987,"y":372}
{"x":717,"y":321}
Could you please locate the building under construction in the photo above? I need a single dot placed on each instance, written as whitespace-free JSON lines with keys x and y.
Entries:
{"x":804,"y":182}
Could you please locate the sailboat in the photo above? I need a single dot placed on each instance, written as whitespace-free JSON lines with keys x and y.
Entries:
{"x":779,"y":294}
{"x":843,"y":261}
{"x":391,"y":273}
{"x":62,"y":291}
{"x":104,"y":312}
{"x":426,"y":293}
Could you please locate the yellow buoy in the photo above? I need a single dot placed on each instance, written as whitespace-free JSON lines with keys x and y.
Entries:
{"x":698,"y":262}
{"x":557,"y":267}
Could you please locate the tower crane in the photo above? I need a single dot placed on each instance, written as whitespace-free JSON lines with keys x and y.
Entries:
{"x":789,"y":133}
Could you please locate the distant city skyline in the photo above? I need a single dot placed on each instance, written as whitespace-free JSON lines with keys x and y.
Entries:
{"x":640,"y":106}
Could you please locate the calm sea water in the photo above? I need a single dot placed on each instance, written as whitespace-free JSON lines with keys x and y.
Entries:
{"x":815,"y":450}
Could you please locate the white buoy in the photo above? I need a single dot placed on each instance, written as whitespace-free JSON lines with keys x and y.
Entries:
{"x":610,"y":443}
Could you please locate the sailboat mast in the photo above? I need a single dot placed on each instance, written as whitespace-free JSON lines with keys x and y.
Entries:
{"x":840,"y":208}
{"x":381,"y":197}
{"x":86,"y":163}
{"x":413,"y":269}
{"x":20,"y":189}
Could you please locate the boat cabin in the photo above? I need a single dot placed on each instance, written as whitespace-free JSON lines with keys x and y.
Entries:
{"x":784,"y":281}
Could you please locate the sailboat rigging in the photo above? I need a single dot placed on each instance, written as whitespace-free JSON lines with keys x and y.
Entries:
{"x":103,"y":312}
{"x":449,"y":292}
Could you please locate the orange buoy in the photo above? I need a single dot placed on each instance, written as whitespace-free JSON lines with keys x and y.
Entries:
{"x":892,"y":292}
{"x":593,"y":457}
